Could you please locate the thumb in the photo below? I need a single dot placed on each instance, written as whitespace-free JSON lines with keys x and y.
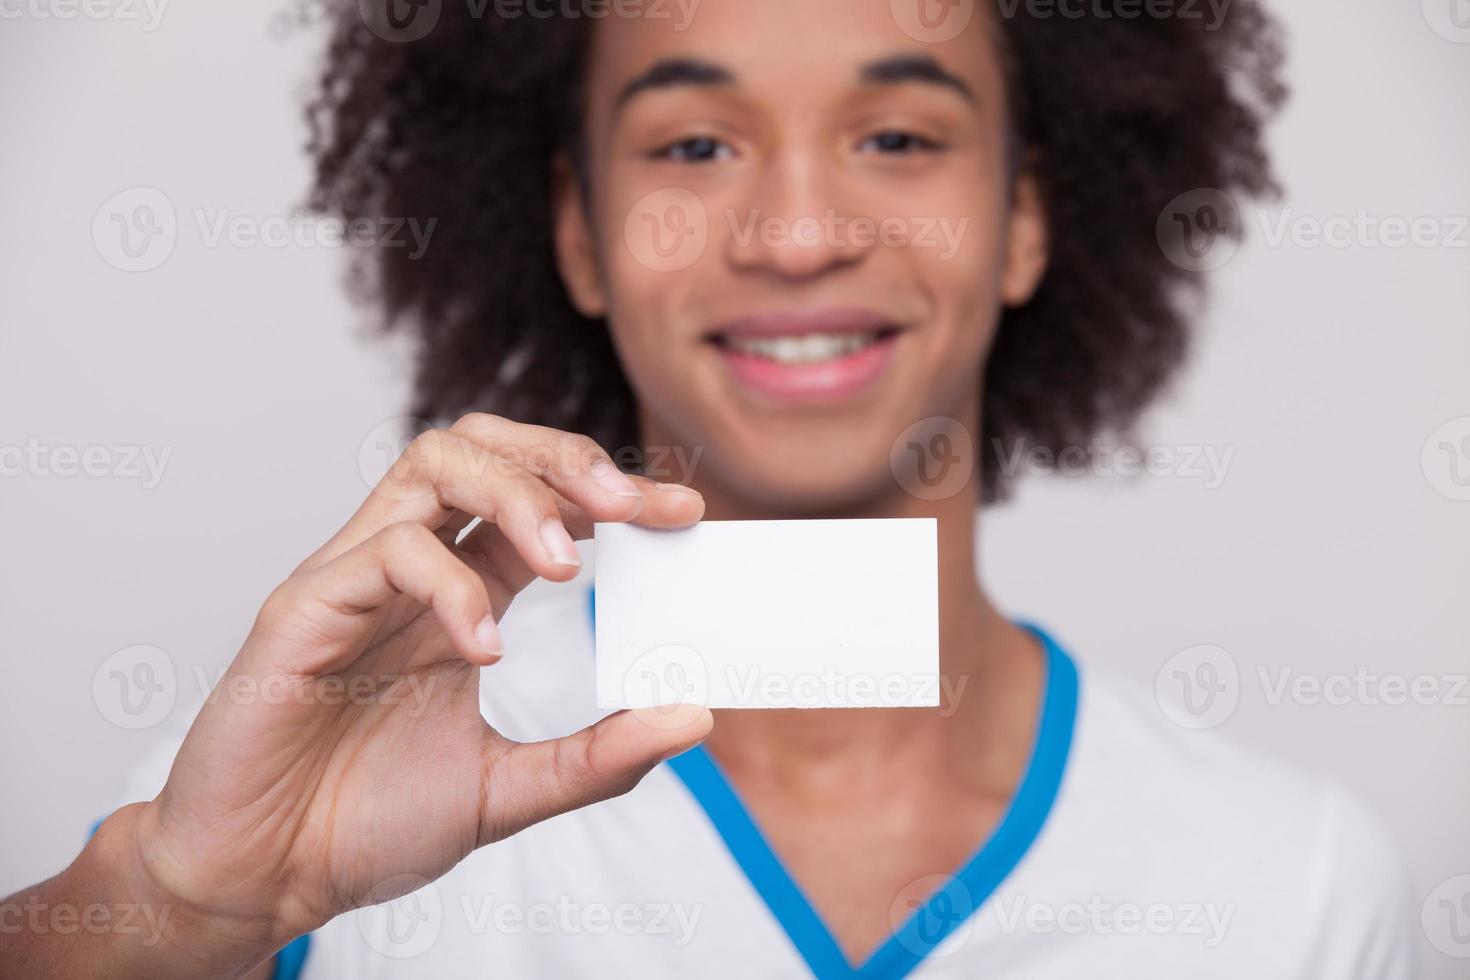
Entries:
{"x":532,"y":781}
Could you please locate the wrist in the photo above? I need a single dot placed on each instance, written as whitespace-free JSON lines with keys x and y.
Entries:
{"x":156,"y":927}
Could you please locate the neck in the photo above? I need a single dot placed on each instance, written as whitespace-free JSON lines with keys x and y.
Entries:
{"x":991,"y":676}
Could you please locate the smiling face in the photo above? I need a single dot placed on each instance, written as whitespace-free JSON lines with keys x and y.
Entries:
{"x":802,"y":226}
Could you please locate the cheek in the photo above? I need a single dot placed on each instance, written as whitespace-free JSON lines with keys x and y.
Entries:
{"x":644,"y":246}
{"x":649,"y":299}
{"x":959,"y":261}
{"x":957,"y":271}
{"x":962,"y":268}
{"x":956,"y":219}
{"x":654,"y":240}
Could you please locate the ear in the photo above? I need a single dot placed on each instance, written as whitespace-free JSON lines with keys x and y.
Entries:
{"x":574,"y":241}
{"x":1028,"y":241}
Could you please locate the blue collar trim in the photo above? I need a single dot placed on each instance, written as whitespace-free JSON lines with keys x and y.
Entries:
{"x":949,"y":907}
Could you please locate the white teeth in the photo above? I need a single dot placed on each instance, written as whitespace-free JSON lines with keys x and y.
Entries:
{"x":804,"y":349}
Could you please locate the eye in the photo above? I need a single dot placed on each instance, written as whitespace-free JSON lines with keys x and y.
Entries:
{"x":898,"y":141}
{"x":695,"y":149}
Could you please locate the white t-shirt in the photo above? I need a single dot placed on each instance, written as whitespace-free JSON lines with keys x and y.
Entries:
{"x":1133,"y":849}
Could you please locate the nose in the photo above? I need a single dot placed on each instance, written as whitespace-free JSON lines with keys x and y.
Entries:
{"x":793,"y":224}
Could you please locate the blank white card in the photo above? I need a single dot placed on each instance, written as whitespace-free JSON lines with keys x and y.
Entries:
{"x":769,"y":614}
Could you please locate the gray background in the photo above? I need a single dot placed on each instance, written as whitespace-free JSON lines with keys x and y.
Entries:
{"x":1329,"y":546}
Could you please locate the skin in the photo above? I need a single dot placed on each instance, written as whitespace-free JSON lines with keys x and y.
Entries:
{"x":795,"y":136}
{"x":264,"y":831}
{"x":281,"y":813}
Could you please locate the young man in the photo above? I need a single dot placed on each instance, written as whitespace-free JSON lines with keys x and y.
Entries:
{"x":776,"y":238}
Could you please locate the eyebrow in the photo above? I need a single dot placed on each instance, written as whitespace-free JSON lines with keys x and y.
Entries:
{"x":915,"y":68}
{"x":674,"y":72}
{"x":897,"y":70}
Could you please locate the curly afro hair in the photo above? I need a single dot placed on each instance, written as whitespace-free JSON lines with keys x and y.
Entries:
{"x":1120,"y":115}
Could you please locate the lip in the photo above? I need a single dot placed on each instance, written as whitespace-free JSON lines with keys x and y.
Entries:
{"x":789,"y":322}
{"x":838,"y":378}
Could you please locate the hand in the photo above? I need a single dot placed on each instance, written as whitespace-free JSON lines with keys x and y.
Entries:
{"x":294,"y":805}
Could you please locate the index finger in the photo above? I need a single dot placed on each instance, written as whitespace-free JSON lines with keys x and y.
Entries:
{"x":665,"y":505}
{"x":485,"y":546}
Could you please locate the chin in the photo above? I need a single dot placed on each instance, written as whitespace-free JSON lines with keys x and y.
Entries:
{"x":802,"y":477}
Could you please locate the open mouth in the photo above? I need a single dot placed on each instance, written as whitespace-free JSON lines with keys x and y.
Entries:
{"x":822,"y":354}
{"x":811,"y":348}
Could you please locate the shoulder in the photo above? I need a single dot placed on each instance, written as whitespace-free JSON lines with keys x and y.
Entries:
{"x":1295,"y":855}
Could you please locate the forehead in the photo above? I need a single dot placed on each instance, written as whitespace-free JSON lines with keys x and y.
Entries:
{"x":791,"y":48}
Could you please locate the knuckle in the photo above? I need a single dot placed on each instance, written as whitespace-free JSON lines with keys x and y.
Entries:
{"x":421,"y":460}
{"x":523,"y":511}
{"x":428,"y":443}
{"x":576,"y":769}
{"x":404,"y":536}
{"x":571,"y":762}
{"x":537,"y":454}
{"x":278,"y":607}
{"x":540,"y":502}
{"x":416,"y":468}
{"x":465,"y":590}
{"x":522,"y":484}
{"x":584,"y":451}
{"x":580,"y":443}
{"x":478,"y":425}
{"x":563,"y":454}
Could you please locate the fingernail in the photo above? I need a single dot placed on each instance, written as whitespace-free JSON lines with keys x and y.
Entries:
{"x":559,"y":543}
{"x":614,"y":480}
{"x":677,"y":488}
{"x":487,"y":636}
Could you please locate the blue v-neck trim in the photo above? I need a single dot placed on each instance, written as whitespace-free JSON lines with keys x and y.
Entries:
{"x":949,"y":907}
